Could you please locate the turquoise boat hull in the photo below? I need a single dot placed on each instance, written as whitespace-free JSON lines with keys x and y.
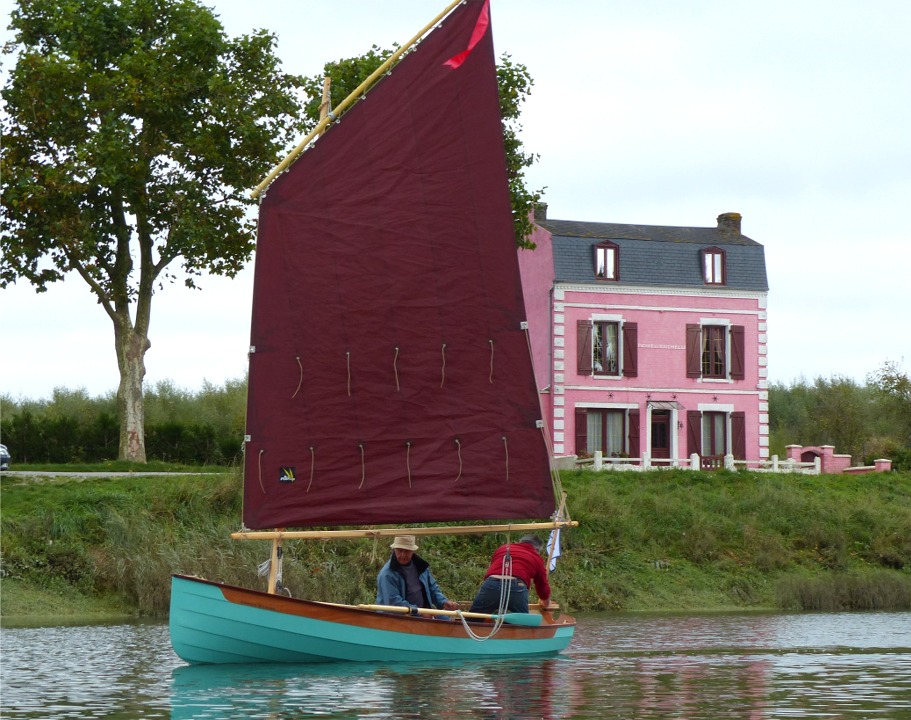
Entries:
{"x":215,"y":623}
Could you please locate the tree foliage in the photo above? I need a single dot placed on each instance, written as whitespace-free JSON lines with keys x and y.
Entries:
{"x":515,"y":84}
{"x":894,"y":388}
{"x":133,"y":130}
{"x":866,"y":421}
{"x":205,"y":427}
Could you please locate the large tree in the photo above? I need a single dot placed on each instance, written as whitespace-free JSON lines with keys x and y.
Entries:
{"x":133,"y":132}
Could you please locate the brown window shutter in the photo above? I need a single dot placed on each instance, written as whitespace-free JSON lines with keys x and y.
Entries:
{"x":630,"y":349}
{"x":581,"y":431}
{"x":739,"y":435}
{"x":693,"y":432}
{"x":584,"y":347}
{"x":634,"y":447}
{"x":737,"y":352}
{"x":693,"y":351}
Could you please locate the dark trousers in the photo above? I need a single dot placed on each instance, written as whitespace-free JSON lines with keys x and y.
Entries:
{"x":488,"y":598}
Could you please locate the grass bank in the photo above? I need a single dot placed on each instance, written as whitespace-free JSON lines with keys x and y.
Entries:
{"x":647,"y":541}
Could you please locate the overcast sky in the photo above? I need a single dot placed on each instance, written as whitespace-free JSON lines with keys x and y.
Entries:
{"x":796,"y":114}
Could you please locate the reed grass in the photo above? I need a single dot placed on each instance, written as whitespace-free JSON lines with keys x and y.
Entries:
{"x":670,"y":540}
{"x":871,"y":590}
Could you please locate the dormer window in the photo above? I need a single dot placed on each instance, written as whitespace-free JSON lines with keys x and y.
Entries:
{"x":713,"y":266}
{"x":607,"y":261}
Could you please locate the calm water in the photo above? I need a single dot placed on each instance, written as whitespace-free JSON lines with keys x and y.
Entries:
{"x":619,"y":666}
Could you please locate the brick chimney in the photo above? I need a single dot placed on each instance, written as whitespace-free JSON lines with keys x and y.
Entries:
{"x":729,"y":223}
{"x":541,"y":211}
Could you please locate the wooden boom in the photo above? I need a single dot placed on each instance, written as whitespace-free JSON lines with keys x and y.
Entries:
{"x":391,"y":532}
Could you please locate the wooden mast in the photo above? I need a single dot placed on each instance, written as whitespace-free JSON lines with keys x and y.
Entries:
{"x":324,"y":105}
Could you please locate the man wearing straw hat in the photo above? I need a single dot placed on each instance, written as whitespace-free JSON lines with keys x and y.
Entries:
{"x":406,"y":580}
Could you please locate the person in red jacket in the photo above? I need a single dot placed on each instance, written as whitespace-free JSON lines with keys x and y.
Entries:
{"x":513,"y":569}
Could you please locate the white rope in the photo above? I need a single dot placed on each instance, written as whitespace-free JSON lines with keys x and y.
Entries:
{"x":554,"y":470}
{"x":443,"y":371}
{"x":491,"y":361}
{"x":497,"y":624}
{"x":348,"y":360}
{"x":502,"y":607}
{"x":505,"y":585}
{"x":395,"y":369}
{"x":506,"y":450}
{"x":363,"y":467}
{"x":312,"y":466}
{"x":408,"y":460}
{"x":259,"y":463}
{"x":459,"y":451}
{"x":301,"y":378}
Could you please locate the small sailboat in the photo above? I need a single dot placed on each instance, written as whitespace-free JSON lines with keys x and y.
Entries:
{"x":390,"y":379}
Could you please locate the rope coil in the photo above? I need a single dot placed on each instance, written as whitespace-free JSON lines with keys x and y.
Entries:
{"x":502,"y":605}
{"x":497,"y":624}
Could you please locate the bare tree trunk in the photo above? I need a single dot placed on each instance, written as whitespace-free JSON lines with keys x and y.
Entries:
{"x":131,"y":350}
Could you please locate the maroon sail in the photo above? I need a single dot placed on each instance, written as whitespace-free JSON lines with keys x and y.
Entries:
{"x":390,"y":377}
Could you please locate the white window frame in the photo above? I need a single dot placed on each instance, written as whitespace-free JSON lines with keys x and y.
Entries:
{"x":726,"y":324}
{"x":603,"y":318}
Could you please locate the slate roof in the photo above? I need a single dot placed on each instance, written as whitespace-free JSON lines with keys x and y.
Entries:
{"x":655,"y":255}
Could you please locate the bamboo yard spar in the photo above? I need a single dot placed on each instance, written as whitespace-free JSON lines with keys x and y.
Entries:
{"x":390,"y":373}
{"x":390,"y":378}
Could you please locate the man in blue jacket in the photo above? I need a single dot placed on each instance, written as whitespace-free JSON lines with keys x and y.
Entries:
{"x":406,"y":580}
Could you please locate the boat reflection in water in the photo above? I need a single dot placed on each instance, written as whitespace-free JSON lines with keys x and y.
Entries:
{"x":501,"y":689}
{"x":748,"y":666}
{"x":771,"y":677}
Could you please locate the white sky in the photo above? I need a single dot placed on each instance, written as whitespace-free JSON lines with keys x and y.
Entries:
{"x":794,"y":113}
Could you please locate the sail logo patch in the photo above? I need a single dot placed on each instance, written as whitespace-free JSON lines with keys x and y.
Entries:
{"x":287,"y":475}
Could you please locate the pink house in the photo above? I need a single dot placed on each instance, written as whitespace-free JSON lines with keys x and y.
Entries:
{"x":649,"y":342}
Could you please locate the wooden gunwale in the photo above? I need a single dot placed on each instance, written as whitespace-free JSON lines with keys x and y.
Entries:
{"x":351,"y":615}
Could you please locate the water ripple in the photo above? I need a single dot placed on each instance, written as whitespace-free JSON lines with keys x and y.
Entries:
{"x":698,"y":667}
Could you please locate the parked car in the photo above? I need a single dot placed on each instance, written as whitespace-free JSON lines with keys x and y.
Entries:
{"x":4,"y":458}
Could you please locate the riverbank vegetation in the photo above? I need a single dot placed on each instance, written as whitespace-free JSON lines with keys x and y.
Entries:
{"x":206,"y":427}
{"x":669,"y":540}
{"x":193,"y":428}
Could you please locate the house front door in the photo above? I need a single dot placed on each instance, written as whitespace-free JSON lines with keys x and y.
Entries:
{"x":661,"y":438}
